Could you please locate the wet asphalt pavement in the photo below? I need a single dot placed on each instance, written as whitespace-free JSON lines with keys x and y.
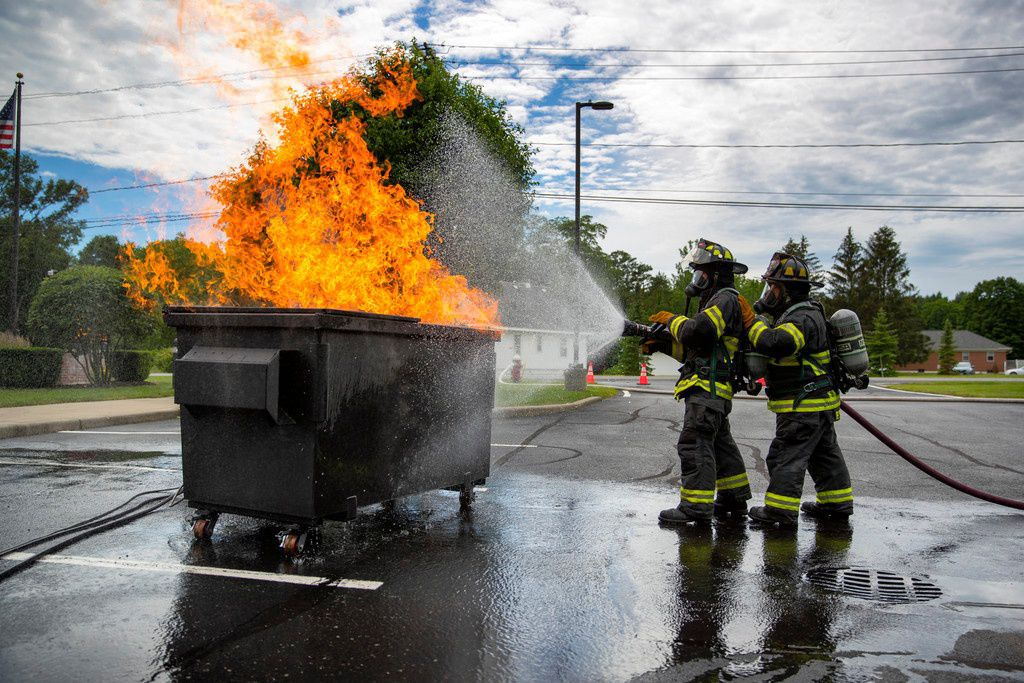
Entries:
{"x":559,"y":572}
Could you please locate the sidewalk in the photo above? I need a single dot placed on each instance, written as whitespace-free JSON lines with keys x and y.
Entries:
{"x":32,"y":420}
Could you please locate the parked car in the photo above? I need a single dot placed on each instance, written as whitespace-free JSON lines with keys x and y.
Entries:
{"x":964,"y":367}
{"x":1015,"y":371}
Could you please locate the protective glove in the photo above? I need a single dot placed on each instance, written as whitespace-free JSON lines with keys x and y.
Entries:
{"x":649,"y":347}
{"x":662,"y":317}
{"x":747,"y":312}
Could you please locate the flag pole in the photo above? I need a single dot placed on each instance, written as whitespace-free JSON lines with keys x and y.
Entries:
{"x":13,"y":287}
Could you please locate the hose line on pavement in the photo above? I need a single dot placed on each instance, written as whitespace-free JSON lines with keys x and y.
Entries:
{"x":928,"y":469}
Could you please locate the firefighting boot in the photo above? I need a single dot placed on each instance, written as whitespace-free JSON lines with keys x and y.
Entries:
{"x":767,"y":516}
{"x":735,"y":509}
{"x":827,"y":510}
{"x":681,"y":516}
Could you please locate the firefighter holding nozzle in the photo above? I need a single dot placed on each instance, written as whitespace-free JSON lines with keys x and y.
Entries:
{"x":801,"y":393}
{"x":714,"y":479}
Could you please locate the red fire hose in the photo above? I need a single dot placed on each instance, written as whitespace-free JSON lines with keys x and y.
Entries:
{"x":928,"y":469}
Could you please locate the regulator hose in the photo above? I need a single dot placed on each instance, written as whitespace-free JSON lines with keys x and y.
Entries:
{"x":928,"y":469}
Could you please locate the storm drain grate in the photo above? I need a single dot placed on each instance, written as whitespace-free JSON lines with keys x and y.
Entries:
{"x":873,"y":584}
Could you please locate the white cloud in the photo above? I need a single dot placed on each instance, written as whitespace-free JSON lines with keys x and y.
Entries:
{"x":77,"y":45}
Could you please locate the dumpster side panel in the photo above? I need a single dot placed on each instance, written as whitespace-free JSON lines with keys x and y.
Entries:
{"x":242,"y":460}
{"x":404,"y":415}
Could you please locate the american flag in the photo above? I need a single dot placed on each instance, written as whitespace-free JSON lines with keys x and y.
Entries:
{"x":7,"y":124}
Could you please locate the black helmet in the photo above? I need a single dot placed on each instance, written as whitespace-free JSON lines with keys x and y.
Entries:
{"x":788,"y":268}
{"x":708,"y":253}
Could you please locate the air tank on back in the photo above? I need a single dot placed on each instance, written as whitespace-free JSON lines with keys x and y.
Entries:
{"x":850,"y":341}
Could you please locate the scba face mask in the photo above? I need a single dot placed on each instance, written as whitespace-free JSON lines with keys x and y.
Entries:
{"x":699,"y":284}
{"x":771,"y":299}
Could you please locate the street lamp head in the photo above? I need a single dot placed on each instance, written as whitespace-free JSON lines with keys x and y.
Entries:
{"x":602,"y":105}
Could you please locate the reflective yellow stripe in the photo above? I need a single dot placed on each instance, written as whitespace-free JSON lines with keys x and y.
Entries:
{"x":808,"y":405}
{"x":675,"y":324}
{"x":716,"y":317}
{"x":782,"y":502}
{"x":734,"y":482}
{"x":755,"y":332}
{"x":795,"y":333}
{"x":731,"y":345}
{"x":836,"y":496}
{"x":698,"y":496}
{"x":723,"y":390}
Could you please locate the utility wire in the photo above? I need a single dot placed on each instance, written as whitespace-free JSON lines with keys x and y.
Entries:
{"x":738,"y":78}
{"x":590,"y":65}
{"x":640,"y":189}
{"x":543,"y":48}
{"x":787,"y":205}
{"x":951,"y":143}
{"x":155,"y":113}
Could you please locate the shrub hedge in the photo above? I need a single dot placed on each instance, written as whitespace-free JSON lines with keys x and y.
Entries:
{"x":163,"y":360}
{"x":31,"y":367}
{"x":130,"y":366}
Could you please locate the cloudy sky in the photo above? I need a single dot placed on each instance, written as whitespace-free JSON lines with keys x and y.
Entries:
{"x":679,"y":73}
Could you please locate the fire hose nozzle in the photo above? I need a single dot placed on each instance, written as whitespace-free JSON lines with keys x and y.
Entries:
{"x":632,"y":329}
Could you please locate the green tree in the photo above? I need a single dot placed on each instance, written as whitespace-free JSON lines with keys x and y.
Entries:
{"x":845,"y":281}
{"x":631,"y":280}
{"x":48,"y":230}
{"x":102,"y":250}
{"x":935,"y":309}
{"x":947,"y":349}
{"x":802,"y":249}
{"x":886,"y":284}
{"x":86,"y":310}
{"x":883,"y":344}
{"x":995,"y":309}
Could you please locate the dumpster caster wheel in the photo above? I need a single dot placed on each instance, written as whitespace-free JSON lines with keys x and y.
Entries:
{"x":202,"y":526}
{"x":294,"y":542}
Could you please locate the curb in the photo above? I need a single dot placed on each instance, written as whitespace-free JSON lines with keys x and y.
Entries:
{"x":880,"y":399}
{"x":36,"y":428}
{"x":529,"y":411}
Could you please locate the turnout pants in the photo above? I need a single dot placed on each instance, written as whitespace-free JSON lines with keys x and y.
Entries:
{"x":709,"y":458}
{"x":806,"y":442}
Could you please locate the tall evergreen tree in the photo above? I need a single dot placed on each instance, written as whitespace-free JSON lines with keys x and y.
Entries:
{"x":883,"y":344}
{"x":802,"y":250}
{"x":947,"y":349}
{"x":845,"y":281}
{"x":886,"y":283}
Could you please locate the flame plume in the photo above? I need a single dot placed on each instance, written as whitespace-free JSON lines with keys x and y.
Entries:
{"x":310,"y":221}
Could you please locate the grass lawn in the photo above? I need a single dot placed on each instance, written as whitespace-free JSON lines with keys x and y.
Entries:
{"x":507,"y":395}
{"x":971,"y":388}
{"x":155,"y":387}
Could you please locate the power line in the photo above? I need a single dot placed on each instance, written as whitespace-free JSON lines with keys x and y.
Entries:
{"x":787,"y":205}
{"x":574,"y":65}
{"x":201,"y":80}
{"x":738,"y":78}
{"x":155,"y":113}
{"x":160,"y":184}
{"x":952,"y":143}
{"x":543,"y":48}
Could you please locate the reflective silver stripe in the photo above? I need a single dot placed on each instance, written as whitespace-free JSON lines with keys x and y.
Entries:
{"x":755,"y":332}
{"x":675,"y":324}
{"x":795,"y":333}
{"x":716,"y":318}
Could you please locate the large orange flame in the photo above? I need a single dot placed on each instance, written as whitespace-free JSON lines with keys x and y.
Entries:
{"x":311,"y":221}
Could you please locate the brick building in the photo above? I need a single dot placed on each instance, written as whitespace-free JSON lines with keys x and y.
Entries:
{"x":984,"y":354}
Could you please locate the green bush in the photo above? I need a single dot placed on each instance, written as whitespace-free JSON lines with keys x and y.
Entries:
{"x":32,"y":367}
{"x":130,"y":366}
{"x":163,"y":360}
{"x":13,"y":341}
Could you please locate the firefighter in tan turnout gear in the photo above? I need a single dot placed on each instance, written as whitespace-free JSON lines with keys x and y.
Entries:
{"x":802,"y":396}
{"x":714,"y":480}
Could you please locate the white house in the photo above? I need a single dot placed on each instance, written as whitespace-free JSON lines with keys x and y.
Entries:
{"x":538,"y":328}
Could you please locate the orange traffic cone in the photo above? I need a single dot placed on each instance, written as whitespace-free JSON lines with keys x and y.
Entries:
{"x":590,"y":372}
{"x":643,"y":375}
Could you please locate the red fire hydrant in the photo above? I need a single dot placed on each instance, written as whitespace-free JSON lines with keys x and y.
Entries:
{"x":517,"y":368}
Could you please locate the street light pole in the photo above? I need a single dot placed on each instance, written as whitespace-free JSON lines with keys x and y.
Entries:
{"x":600,"y":106}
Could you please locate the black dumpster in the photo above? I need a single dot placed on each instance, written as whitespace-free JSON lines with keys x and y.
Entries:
{"x":302,"y":415}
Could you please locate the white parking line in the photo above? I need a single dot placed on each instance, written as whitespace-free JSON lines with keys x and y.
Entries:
{"x":169,"y":568}
{"x":513,"y":445}
{"x":91,"y":431}
{"x":83,"y":465}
